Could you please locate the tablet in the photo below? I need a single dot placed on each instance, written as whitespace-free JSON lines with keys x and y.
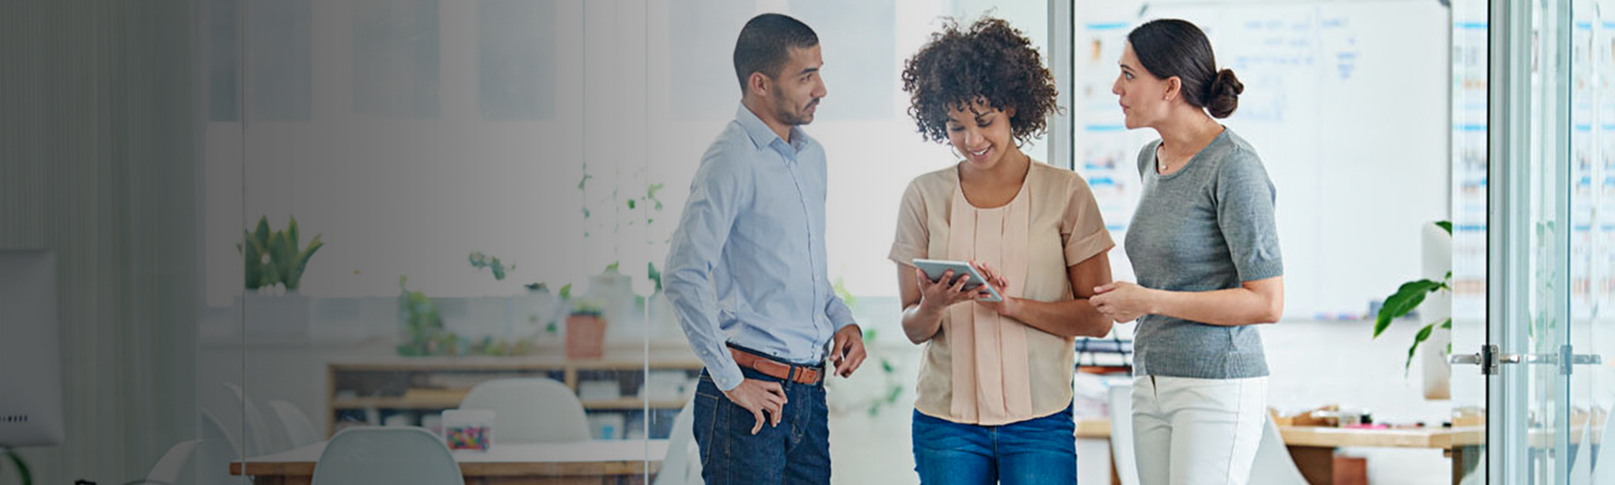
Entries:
{"x":934,"y":268}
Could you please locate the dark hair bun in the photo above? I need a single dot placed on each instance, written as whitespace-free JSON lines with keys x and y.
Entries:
{"x":1223,"y":96}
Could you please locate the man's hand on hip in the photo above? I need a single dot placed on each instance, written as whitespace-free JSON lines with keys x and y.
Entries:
{"x":758,"y":396}
{"x":847,"y":350}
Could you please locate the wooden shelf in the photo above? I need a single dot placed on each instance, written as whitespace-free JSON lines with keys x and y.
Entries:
{"x":433,"y":403}
{"x":439,"y":383}
{"x":527,"y":363}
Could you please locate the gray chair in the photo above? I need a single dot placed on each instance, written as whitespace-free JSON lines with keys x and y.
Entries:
{"x":260,"y":439}
{"x":386,"y":456}
{"x":682,"y":465}
{"x":214,"y":454}
{"x":530,"y":410}
{"x":299,"y":431}
{"x":1273,"y":464}
{"x":171,"y":466}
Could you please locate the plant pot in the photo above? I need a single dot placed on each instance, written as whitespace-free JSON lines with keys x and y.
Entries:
{"x":662,"y":317}
{"x":1437,"y":263}
{"x":1433,"y":364}
{"x":275,"y":317}
{"x":585,"y":336}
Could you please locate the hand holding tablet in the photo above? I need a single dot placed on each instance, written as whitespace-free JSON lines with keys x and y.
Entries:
{"x":935,"y":268}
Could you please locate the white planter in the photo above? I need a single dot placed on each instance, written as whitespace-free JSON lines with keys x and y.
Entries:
{"x":664,"y":320}
{"x":1433,"y":365}
{"x":1437,"y":262}
{"x":616,"y":293}
{"x":275,"y":317}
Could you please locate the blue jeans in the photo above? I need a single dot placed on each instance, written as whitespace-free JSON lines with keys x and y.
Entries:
{"x":1035,"y":451}
{"x":795,"y":452}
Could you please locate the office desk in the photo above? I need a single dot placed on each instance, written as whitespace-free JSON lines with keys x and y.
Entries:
{"x":1313,"y":447}
{"x":588,"y":462}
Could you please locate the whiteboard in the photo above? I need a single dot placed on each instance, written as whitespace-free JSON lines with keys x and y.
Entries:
{"x":1346,"y":103}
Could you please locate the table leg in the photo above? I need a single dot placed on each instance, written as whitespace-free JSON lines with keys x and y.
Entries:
{"x":1317,"y":464}
{"x":1464,"y":461}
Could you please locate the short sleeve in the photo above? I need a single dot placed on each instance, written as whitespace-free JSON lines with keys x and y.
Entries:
{"x":1245,"y":214}
{"x":1082,"y":228}
{"x":913,"y":237}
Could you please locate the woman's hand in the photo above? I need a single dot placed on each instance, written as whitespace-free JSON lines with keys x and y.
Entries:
{"x":998,"y":282}
{"x":940,"y":295}
{"x":1122,"y":301}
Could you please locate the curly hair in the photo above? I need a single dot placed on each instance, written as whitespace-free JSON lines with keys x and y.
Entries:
{"x":990,"y":61}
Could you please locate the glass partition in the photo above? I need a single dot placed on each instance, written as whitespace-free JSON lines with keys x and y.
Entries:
{"x":412,"y":206}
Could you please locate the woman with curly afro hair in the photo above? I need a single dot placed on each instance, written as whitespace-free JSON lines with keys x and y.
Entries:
{"x":994,"y":390}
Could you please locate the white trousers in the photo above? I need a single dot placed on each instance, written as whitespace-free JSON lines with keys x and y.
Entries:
{"x":1197,"y":431}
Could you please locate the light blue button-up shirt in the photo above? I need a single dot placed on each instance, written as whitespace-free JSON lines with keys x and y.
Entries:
{"x":746,"y":264}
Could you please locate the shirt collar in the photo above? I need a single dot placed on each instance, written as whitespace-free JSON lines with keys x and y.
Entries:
{"x":762,"y":136}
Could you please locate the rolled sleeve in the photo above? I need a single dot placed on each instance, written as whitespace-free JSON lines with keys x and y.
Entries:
{"x":1082,"y":228}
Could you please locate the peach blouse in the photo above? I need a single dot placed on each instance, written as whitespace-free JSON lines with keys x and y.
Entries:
{"x":981,"y":367}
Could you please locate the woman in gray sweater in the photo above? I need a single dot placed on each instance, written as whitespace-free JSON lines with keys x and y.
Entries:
{"x":1205,"y":249}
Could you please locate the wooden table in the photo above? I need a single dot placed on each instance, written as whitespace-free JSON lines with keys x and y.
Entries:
{"x":1313,"y":447}
{"x":588,"y":462}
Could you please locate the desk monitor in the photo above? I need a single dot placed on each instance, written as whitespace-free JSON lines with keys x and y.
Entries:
{"x":30,"y":367}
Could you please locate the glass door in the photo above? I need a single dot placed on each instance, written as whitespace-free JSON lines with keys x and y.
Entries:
{"x":1539,"y":339}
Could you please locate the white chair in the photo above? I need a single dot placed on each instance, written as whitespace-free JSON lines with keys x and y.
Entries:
{"x":1603,"y":471}
{"x":260,"y":439}
{"x":682,"y":465}
{"x":214,"y":454}
{"x":168,"y":468}
{"x":1273,"y":464}
{"x":299,"y":431}
{"x":386,"y":456}
{"x":530,"y":410}
{"x":1581,"y":470}
{"x":1121,"y":431}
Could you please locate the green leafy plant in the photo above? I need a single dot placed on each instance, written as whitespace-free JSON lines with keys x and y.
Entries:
{"x":1406,"y":299}
{"x":276,"y":257}
{"x":423,"y":325}
{"x":894,"y":386}
{"x":480,"y":261}
{"x":587,"y":307}
{"x":654,"y":275}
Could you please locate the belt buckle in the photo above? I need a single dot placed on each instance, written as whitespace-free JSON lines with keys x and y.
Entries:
{"x":820,"y":374}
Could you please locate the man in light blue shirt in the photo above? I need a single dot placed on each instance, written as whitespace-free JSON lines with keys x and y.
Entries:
{"x":747,"y":277}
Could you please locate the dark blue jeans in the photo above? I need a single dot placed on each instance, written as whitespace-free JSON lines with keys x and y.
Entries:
{"x":795,"y":452}
{"x":1035,"y":451}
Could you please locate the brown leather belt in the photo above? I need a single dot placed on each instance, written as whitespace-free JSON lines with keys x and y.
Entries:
{"x":799,"y":374}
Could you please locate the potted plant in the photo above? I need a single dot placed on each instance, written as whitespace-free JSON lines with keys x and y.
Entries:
{"x":422,"y":325}
{"x":586,"y":331}
{"x":1438,"y":327}
{"x":276,"y":258}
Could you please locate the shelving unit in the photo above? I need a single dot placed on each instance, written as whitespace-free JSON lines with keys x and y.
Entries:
{"x":370,"y":390}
